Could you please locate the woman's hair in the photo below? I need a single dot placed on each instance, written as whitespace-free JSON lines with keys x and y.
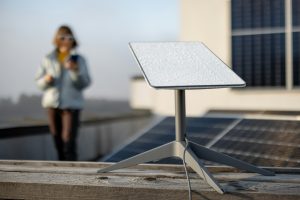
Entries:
{"x":64,"y":30}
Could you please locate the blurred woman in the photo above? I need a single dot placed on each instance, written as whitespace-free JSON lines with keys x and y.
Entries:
{"x":62,"y":77}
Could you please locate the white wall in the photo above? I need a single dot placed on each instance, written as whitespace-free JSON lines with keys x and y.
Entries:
{"x":207,"y":21}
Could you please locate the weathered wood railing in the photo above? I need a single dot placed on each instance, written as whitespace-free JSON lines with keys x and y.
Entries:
{"x":79,"y":180}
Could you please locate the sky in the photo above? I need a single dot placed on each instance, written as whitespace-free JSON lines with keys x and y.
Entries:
{"x":103,"y":29}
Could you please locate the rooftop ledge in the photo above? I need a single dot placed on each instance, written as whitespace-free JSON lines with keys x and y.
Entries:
{"x":79,"y":180}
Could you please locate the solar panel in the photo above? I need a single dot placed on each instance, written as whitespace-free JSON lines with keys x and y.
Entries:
{"x":278,"y":141}
{"x":200,"y":130}
{"x":257,"y":141}
{"x":260,"y":59}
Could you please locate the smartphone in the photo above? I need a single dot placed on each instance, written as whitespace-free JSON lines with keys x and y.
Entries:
{"x":73,"y":58}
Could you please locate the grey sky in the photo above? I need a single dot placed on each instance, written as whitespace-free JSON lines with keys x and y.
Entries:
{"x":103,"y":29}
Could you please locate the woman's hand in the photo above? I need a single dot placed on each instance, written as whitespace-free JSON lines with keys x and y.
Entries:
{"x":71,"y":65}
{"x":48,"y":78}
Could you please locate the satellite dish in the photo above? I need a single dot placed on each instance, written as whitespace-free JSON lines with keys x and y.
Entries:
{"x":181,"y":66}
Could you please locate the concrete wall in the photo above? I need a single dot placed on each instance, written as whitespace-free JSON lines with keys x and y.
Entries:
{"x":209,"y":21}
{"x":93,"y":141}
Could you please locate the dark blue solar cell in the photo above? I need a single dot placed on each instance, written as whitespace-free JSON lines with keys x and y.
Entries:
{"x":266,"y":60}
{"x":201,"y":141}
{"x":257,"y":13}
{"x":277,"y":13}
{"x":121,"y":155}
{"x":296,"y":12}
{"x":163,"y":138}
{"x":196,"y":130}
{"x":248,"y":60}
{"x":237,"y":14}
{"x":237,"y":55}
{"x":257,"y":66}
{"x":296,"y":58}
{"x":142,"y":146}
{"x":266,"y":13}
{"x":278,"y":60}
{"x":260,"y":59}
{"x":246,"y":14}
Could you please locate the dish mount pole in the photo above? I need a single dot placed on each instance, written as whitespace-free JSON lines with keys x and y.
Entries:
{"x":180,"y":127}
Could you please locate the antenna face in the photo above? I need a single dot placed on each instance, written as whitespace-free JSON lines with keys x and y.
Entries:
{"x":183,"y":65}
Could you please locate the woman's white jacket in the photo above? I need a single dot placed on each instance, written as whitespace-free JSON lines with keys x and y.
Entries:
{"x":65,"y":91}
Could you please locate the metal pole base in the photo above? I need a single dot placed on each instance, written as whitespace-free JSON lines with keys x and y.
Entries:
{"x":192,"y":155}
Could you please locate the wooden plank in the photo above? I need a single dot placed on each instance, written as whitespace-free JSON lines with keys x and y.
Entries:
{"x":76,"y":180}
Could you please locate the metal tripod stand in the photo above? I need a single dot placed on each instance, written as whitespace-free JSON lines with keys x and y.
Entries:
{"x":192,"y":158}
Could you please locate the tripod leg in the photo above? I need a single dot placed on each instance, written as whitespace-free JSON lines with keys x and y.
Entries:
{"x":192,"y":160}
{"x":157,"y":153}
{"x":211,"y":155}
